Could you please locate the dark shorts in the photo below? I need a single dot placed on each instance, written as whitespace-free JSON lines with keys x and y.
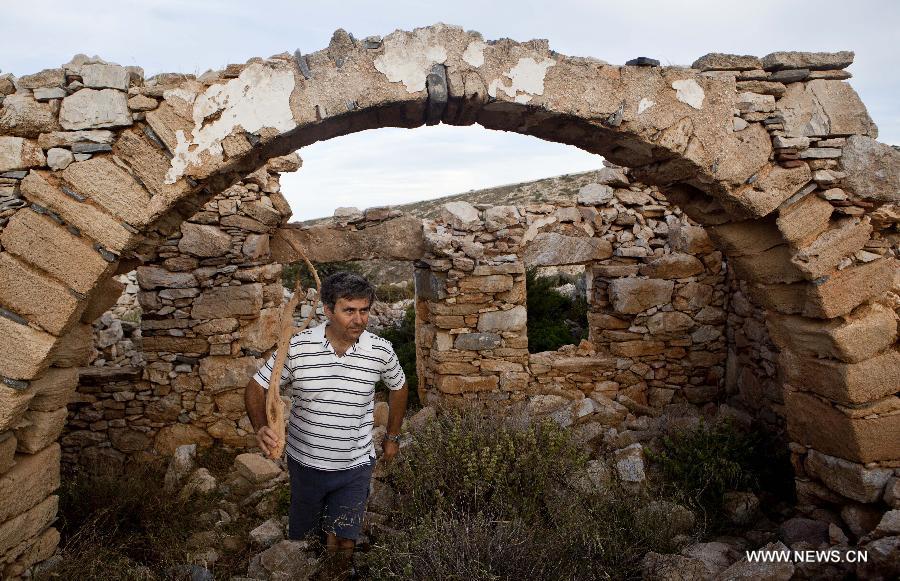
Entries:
{"x":328,"y":501}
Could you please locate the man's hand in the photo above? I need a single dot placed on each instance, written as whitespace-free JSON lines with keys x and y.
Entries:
{"x":267,"y":440}
{"x":389,"y":450}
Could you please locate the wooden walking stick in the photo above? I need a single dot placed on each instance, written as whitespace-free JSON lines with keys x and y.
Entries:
{"x":275,"y":407}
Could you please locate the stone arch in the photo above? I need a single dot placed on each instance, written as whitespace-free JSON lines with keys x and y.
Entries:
{"x":737,"y":142}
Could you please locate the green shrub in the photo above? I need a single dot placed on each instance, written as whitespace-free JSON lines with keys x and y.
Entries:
{"x":389,"y":293}
{"x":485,"y":499}
{"x":549,"y":312}
{"x":703,"y":463}
{"x":403,"y":339}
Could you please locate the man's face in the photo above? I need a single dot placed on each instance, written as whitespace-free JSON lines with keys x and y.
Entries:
{"x":349,"y":318}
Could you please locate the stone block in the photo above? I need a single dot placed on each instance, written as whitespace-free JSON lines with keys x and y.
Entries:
{"x":93,"y":109}
{"x":33,"y":478}
{"x":54,"y":389}
{"x":231,"y":403}
{"x":171,"y":344}
{"x":477,"y":341}
{"x":229,"y":301}
{"x":460,"y":215}
{"x":802,"y":222}
{"x":169,"y":438}
{"x":26,"y":351}
{"x":872,"y":168}
{"x":552,"y":249}
{"x":674,"y":265}
{"x":726,"y":62}
{"x":221,"y":373}
{"x":846,"y":383}
{"x":40,"y":241}
{"x":255,"y":468}
{"x":823,"y":107}
{"x":669,"y":323}
{"x":634,"y":295}
{"x":74,"y":348}
{"x":151,"y":277}
{"x":35,"y":296}
{"x":150,"y":165}
{"x":858,"y":336}
{"x":747,"y":237}
{"x":101,"y":299}
{"x":823,"y":255}
{"x":494,"y":283}
{"x":637,"y":348}
{"x":770,"y":266}
{"x":90,"y":220}
{"x":27,"y":525}
{"x":7,"y":451}
{"x":13,"y":405}
{"x":458,"y":384}
{"x":203,"y":240}
{"x":817,"y":424}
{"x":112,"y":188}
{"x":45,"y":78}
{"x":105,"y":76}
{"x":35,"y":550}
{"x":69,"y":138}
{"x":430,"y":286}
{"x":22,"y":116}
{"x":256,"y":246}
{"x":17,"y":153}
{"x":262,"y":212}
{"x":769,"y":191}
{"x":42,"y":429}
{"x":262,"y":334}
{"x":849,"y":479}
{"x":513,"y":319}
{"x":814,"y":61}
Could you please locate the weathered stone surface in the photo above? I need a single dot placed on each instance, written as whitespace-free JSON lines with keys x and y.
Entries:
{"x":42,"y":430}
{"x":595,"y":194}
{"x":44,"y":78}
{"x":261,"y":334}
{"x":182,"y":463}
{"x":768,"y":192}
{"x":820,"y":257}
{"x":674,"y":265}
{"x":768,"y":571}
{"x":103,"y":76}
{"x":151,"y":277}
{"x":223,"y":373}
{"x":492,"y":283}
{"x":673,"y":323}
{"x":69,"y":138}
{"x":23,"y":116}
{"x":800,"y":223}
{"x":633,"y":295}
{"x":284,"y":560}
{"x":814,"y":61}
{"x":73,"y":348}
{"x":27,"y":525}
{"x":18,"y":153}
{"x":265,"y":214}
{"x":38,"y":298}
{"x":457,"y":384}
{"x":54,"y":389}
{"x":638,"y":348}
{"x":92,"y":109}
{"x":255,"y":468}
{"x":229,"y":301}
{"x":872,"y":168}
{"x":397,"y":239}
{"x":169,"y":438}
{"x":460,"y":215}
{"x":716,"y":61}
{"x":128,"y":440}
{"x":513,"y":319}
{"x":849,"y":383}
{"x":7,"y":452}
{"x":552,"y":249}
{"x":268,"y":533}
{"x":42,"y":242}
{"x":26,"y":350}
{"x":821,"y":108}
{"x":59,"y":159}
{"x":745,"y":238}
{"x":203,"y":240}
{"x":256,"y":246}
{"x":770,"y":266}
{"x":112,"y":187}
{"x":849,"y":479}
{"x":814,"y":423}
{"x":671,"y":567}
{"x":856,"y":337}
{"x":150,"y":165}
{"x":477,"y":341}
{"x":170,"y":344}
{"x":13,"y":405}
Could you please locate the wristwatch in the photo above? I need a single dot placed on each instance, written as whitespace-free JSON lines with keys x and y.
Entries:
{"x":395,"y":438}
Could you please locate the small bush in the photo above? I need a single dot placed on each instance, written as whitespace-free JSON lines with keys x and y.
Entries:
{"x":554,"y":320}
{"x":484,"y":499}
{"x":703,"y":463}
{"x":403,"y":339}
{"x":389,"y":293}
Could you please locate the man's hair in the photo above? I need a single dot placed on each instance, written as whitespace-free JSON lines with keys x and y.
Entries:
{"x":346,"y":285}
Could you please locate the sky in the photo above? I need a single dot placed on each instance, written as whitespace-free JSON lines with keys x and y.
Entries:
{"x":394,"y":166}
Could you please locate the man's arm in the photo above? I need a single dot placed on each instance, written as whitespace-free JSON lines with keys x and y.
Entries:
{"x":397,"y":404}
{"x":255,"y":402}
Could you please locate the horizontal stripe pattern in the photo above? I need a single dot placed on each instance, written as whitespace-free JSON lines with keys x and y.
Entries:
{"x":330,"y":425}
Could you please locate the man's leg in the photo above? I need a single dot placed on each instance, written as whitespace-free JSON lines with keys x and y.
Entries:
{"x":344,"y":510}
{"x":307,"y":500}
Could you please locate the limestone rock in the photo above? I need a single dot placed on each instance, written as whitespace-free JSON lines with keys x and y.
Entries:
{"x":33,"y":478}
{"x":268,"y":533}
{"x":850,"y":479}
{"x":23,"y":116}
{"x":59,"y":159}
{"x":169,"y":438}
{"x":669,"y":323}
{"x":44,"y":78}
{"x":93,"y":109}
{"x":513,"y":319}
{"x":674,"y":265}
{"x":629,"y":463}
{"x":634,"y":295}
{"x":151,"y":277}
{"x":221,"y":373}
{"x":861,"y":519}
{"x":18,"y":153}
{"x":814,"y":61}
{"x":662,"y":567}
{"x":552,"y":249}
{"x":872,"y":168}
{"x":203,"y":240}
{"x":716,"y":61}
{"x":42,"y":429}
{"x":199,"y":483}
{"x":105,"y":76}
{"x":716,"y":556}
{"x":460,"y":215}
{"x":228,"y":301}
{"x":284,"y":561}
{"x":758,"y":570}
{"x":256,"y":246}
{"x":262,"y":334}
{"x":477,"y":341}
{"x":255,"y":468}
{"x":741,"y":507}
{"x":181,"y":464}
{"x":883,"y":559}
{"x":821,"y":108}
{"x":595,"y":194}
{"x":889,"y":524}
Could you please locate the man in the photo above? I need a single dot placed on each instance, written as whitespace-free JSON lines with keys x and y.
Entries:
{"x":332,"y":370}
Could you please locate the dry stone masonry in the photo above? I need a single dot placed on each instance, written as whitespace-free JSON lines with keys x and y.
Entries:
{"x":775,"y":156}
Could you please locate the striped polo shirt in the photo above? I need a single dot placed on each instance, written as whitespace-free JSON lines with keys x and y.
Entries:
{"x":333,"y":398}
